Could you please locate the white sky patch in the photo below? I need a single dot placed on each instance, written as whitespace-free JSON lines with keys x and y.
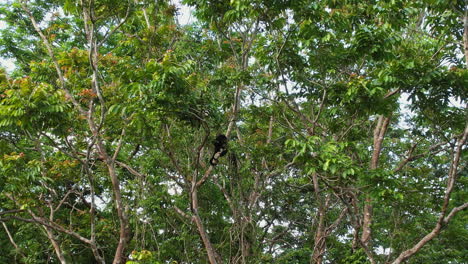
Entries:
{"x":8,"y":64}
{"x":173,"y":188}
{"x":456,"y":102}
{"x":405,"y":110}
{"x":184,"y":13}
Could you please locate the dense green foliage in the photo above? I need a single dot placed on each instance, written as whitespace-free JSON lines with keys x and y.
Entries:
{"x":347,"y":126}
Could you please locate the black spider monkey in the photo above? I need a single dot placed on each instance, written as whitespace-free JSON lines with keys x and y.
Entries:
{"x":220,"y":145}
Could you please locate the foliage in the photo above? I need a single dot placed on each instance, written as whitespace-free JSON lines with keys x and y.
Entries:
{"x":331,"y":107}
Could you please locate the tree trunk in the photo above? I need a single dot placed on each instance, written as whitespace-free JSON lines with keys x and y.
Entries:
{"x":320,"y":244}
{"x":379,"y":133}
{"x":55,"y":244}
{"x":465,"y":34}
{"x":124,"y":232}
{"x":213,"y":257}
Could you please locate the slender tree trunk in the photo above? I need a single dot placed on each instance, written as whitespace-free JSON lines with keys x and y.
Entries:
{"x":55,"y":244}
{"x":465,"y":34}
{"x":246,"y":238}
{"x":379,"y":133}
{"x":124,"y":230}
{"x":320,"y":244}
{"x":94,"y":248}
{"x":213,"y":257}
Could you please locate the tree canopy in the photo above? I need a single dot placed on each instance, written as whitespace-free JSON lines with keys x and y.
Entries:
{"x":346,"y":121}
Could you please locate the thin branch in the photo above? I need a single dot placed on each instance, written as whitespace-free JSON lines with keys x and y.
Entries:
{"x":54,"y":59}
{"x":119,"y":145}
{"x":322,"y":103}
{"x":430,"y":151}
{"x":389,"y":94}
{"x":184,"y":215}
{"x":454,"y":212}
{"x":61,"y":201}
{"x":12,"y":241}
{"x":337,"y":221}
{"x":52,"y":225}
{"x":14,"y":211}
{"x":116,"y":27}
{"x":130,"y":169}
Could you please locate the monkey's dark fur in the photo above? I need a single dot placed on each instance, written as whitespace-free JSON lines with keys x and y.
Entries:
{"x":220,"y":145}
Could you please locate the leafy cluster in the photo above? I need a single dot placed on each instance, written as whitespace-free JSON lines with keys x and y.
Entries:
{"x":347,"y":127}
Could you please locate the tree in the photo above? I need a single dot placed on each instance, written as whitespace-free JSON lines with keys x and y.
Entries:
{"x":347,"y":127}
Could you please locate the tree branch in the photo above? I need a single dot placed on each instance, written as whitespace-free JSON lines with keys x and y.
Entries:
{"x":443,"y":219}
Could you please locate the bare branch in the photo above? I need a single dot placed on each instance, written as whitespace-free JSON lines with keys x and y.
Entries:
{"x":12,"y":241}
{"x":454,"y":212}
{"x":184,"y":215}
{"x":14,"y":211}
{"x":430,"y":151}
{"x":119,"y":145}
{"x":61,"y":201}
{"x":337,"y":221}
{"x":130,"y":169}
{"x":389,"y":94}
{"x":118,"y":26}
